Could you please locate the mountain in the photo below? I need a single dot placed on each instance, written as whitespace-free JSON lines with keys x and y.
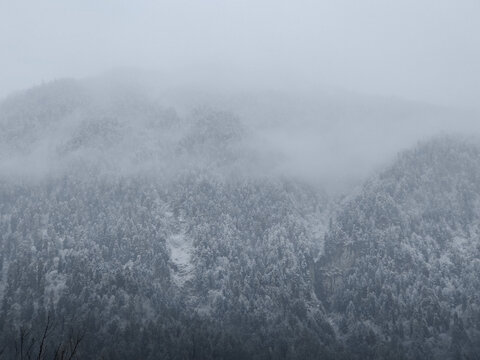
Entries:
{"x":151,"y":235}
{"x":400,"y":272}
{"x":129,"y":258}
{"x":135,"y":229}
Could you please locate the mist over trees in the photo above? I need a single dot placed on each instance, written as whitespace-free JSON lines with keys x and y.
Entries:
{"x":133,"y":229}
{"x":239,"y":180}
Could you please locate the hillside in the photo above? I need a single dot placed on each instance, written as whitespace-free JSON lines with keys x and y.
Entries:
{"x":400,"y":273}
{"x":148,"y":231}
{"x":153,"y":235}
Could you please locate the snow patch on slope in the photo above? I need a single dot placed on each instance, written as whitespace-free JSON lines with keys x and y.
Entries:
{"x":181,"y":254}
{"x":3,"y":279}
{"x":55,"y":285}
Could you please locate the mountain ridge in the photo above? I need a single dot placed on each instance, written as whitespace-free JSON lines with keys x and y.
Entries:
{"x":160,"y":235}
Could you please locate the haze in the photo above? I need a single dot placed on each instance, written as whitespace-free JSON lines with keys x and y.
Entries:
{"x":239,"y":179}
{"x":426,"y":51}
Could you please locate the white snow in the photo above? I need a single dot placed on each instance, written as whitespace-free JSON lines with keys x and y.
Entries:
{"x":3,"y":279}
{"x":55,"y":284}
{"x":180,"y":254}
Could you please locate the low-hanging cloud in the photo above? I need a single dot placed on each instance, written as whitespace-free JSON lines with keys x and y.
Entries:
{"x":426,"y":51}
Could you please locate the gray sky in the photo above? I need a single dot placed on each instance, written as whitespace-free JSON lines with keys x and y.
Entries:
{"x":426,"y":50}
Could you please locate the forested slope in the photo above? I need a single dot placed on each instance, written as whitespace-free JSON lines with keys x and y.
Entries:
{"x":400,"y":273}
{"x":147,"y":233}
{"x":153,"y":235}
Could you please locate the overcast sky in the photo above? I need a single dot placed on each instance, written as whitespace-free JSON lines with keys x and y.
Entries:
{"x":426,"y":50}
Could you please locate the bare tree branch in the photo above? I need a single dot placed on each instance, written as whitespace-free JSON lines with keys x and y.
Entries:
{"x":44,"y":337}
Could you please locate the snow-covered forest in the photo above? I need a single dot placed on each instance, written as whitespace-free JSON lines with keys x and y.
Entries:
{"x":140,"y":231}
{"x":239,"y":180}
